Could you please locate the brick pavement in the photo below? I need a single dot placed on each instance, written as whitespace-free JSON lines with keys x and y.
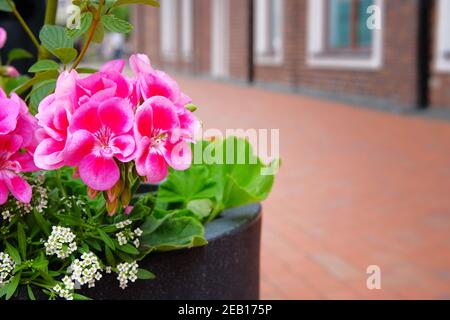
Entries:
{"x":357,"y":187}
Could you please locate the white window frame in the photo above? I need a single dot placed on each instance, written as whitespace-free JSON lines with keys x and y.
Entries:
{"x":442,"y":63}
{"x":168,"y":29}
{"x":315,"y":43}
{"x":260,"y":33}
{"x":187,"y":25}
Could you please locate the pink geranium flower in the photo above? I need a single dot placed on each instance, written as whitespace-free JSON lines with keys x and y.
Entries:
{"x":101,"y":133}
{"x":54,"y":116}
{"x":12,"y":162}
{"x":159,"y":142}
{"x":3,"y":37}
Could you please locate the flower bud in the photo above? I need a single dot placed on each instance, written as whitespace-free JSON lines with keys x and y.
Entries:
{"x":115,"y":191}
{"x":3,"y":37}
{"x":112,"y":206}
{"x":91,"y":193}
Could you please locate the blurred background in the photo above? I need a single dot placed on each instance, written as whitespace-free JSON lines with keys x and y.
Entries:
{"x":360,"y":91}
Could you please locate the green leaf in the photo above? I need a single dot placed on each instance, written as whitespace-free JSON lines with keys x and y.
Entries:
{"x":184,"y":186}
{"x":191,"y":107}
{"x":11,"y":83}
{"x":85,"y":23}
{"x":41,"y":263}
{"x":43,"y":224}
{"x":40,"y":91}
{"x":176,"y":233}
{"x":13,"y":253}
{"x":109,"y":256}
{"x":201,"y":207}
{"x":114,"y":24}
{"x":106,"y":239}
{"x":30,"y":293}
{"x":22,"y":240}
{"x":54,"y":37}
{"x":17,"y":54}
{"x":128,"y":248}
{"x":77,"y":296}
{"x":99,"y":33}
{"x":38,"y":77}
{"x":4,"y":6}
{"x":43,"y":65}
{"x":12,"y":286}
{"x":86,"y":70}
{"x":66,"y":55}
{"x":152,"y":3}
{"x":145,"y":275}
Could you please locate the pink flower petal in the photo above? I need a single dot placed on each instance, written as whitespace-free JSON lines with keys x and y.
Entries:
{"x":113,"y":66}
{"x":126,"y":146}
{"x":164,"y":116}
{"x":9,"y":112}
{"x":141,"y":156}
{"x":3,"y":193}
{"x":10,"y":143}
{"x":144,"y":121}
{"x":178,"y":155}
{"x":20,"y":189}
{"x":86,"y":118}
{"x":156,"y":166}
{"x":78,"y":146}
{"x":26,"y":161}
{"x":99,"y":173}
{"x":163,"y":85}
{"x":117,"y":115}
{"x":49,"y":154}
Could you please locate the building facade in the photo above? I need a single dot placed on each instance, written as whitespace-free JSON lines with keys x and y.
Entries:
{"x":388,"y":53}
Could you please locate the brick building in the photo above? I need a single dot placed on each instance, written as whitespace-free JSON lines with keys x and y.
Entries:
{"x":387,"y":53}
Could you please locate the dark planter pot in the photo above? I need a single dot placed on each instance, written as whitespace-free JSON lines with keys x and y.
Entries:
{"x":226,"y":268}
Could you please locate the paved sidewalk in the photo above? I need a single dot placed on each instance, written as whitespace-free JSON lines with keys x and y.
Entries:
{"x":357,"y":188}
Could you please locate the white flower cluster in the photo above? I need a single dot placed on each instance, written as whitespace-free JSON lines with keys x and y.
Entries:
{"x":7,"y":265}
{"x":123,"y":224}
{"x":61,"y":242}
{"x":86,"y":269}
{"x":39,"y":201}
{"x":127,"y":235}
{"x":65,"y":290}
{"x":127,"y":272}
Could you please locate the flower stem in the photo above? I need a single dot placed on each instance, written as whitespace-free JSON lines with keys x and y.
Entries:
{"x":24,"y":24}
{"x":90,"y":36}
{"x":59,"y":183}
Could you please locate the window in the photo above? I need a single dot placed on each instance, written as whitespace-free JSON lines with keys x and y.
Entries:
{"x":347,"y":27}
{"x":442,"y":58}
{"x":168,"y":27}
{"x":268,"y":31}
{"x":339,"y":33}
{"x":186,"y":29}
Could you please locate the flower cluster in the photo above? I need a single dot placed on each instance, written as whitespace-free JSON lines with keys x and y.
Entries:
{"x":127,"y":272}
{"x":7,"y":265}
{"x":61,"y":242}
{"x":65,"y":289}
{"x":86,"y":270}
{"x":123,"y":237}
{"x":39,"y":202}
{"x":102,"y":122}
{"x":17,"y":143}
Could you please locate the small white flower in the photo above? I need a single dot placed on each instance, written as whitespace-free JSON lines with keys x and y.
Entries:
{"x":138,"y":232}
{"x":108,"y":269}
{"x":61,"y":242}
{"x":123,"y":224}
{"x":121,"y":238}
{"x":7,"y":265}
{"x":65,"y":290}
{"x":86,"y":270}
{"x":127,"y":272}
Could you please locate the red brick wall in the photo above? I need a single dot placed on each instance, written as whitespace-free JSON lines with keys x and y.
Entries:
{"x":396,"y":81}
{"x":439,"y":84}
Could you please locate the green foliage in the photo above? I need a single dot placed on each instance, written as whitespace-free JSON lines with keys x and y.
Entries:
{"x":43,"y":65}
{"x":152,"y":3}
{"x":234,"y":179}
{"x":55,"y":39}
{"x":114,"y":24}
{"x":85,"y":23}
{"x":18,"y":54}
{"x":4,"y":6}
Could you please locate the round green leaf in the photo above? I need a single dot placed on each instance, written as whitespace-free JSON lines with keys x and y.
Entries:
{"x":43,"y":65}
{"x":114,"y":24}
